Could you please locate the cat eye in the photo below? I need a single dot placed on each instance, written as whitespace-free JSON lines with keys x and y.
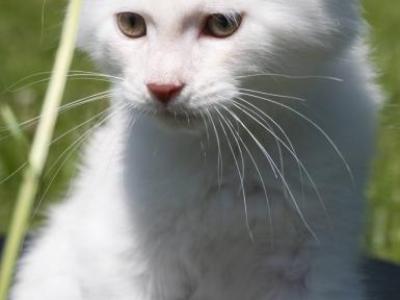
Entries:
{"x":221,"y":26}
{"x":131,"y":24}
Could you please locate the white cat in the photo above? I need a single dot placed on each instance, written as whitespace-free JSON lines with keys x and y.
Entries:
{"x":223,"y":172}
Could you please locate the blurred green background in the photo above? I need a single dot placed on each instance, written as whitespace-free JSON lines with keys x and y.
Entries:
{"x":28,"y":39}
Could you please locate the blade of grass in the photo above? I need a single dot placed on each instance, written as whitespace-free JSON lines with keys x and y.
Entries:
{"x":12,"y":124}
{"x":40,"y":148}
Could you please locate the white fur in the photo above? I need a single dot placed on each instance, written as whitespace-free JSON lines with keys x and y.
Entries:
{"x":155,"y":215}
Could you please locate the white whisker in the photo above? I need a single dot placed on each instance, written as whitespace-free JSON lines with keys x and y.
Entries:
{"x":74,"y":73}
{"x":294,"y":155}
{"x":66,"y":107}
{"x":287,"y":76}
{"x":241,"y":178}
{"x":274,"y":166}
{"x":8,"y":177}
{"x":273,"y":95}
{"x":203,"y":118}
{"x":268,"y":205}
{"x":219,"y":163}
{"x":315,"y":125}
{"x":65,"y":155}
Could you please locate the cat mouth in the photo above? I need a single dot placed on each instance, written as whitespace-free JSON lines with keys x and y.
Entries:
{"x":181,"y":118}
{"x":178,"y":116}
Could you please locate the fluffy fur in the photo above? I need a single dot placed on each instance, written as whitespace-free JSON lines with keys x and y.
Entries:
{"x":240,"y":190}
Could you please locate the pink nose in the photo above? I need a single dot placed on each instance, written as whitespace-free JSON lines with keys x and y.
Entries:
{"x":164,"y":92}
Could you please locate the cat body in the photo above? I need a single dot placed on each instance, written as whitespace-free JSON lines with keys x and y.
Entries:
{"x":260,"y":200}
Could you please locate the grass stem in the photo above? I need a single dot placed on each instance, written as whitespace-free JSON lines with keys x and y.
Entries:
{"x":40,"y":148}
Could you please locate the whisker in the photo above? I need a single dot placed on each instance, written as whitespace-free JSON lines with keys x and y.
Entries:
{"x":288,"y":76}
{"x":260,"y":113}
{"x":96,"y":74}
{"x":72,"y":77}
{"x":278,"y":145}
{"x":61,"y":136}
{"x":298,"y":161}
{"x":269,"y":158}
{"x":257,"y":111}
{"x":64,"y":108}
{"x":203,"y":118}
{"x":241,"y":178}
{"x":274,"y":166}
{"x":273,"y":95}
{"x":239,"y":148}
{"x":74,"y":73}
{"x":219,"y":163}
{"x":83,"y":136}
{"x":19,"y":169}
{"x":93,"y":98}
{"x":65,"y":155}
{"x":15,"y":172}
{"x":316,"y":126}
{"x":239,"y":139}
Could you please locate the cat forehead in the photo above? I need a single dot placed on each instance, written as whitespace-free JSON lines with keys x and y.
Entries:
{"x":174,"y":6}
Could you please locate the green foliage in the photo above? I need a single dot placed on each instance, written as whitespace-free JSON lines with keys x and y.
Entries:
{"x":384,"y":224}
{"x":29,"y":35}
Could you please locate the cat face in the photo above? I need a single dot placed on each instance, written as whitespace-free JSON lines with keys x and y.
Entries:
{"x":189,"y":55}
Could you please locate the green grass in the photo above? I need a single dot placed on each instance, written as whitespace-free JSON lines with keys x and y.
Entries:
{"x":384,"y":226}
{"x":28,"y":40}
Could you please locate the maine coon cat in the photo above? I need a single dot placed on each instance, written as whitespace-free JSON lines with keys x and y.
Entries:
{"x":232,"y":164}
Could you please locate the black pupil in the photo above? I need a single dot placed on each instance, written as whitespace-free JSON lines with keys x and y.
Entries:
{"x":131,"y":21}
{"x":222,"y":22}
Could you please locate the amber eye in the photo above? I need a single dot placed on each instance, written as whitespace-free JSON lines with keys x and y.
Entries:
{"x":221,"y":26}
{"x":131,"y":24}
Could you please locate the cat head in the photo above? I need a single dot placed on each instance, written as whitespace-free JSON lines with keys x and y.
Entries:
{"x":190,"y":55}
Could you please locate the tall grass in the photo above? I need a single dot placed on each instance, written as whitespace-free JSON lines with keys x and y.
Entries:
{"x":40,"y":148}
